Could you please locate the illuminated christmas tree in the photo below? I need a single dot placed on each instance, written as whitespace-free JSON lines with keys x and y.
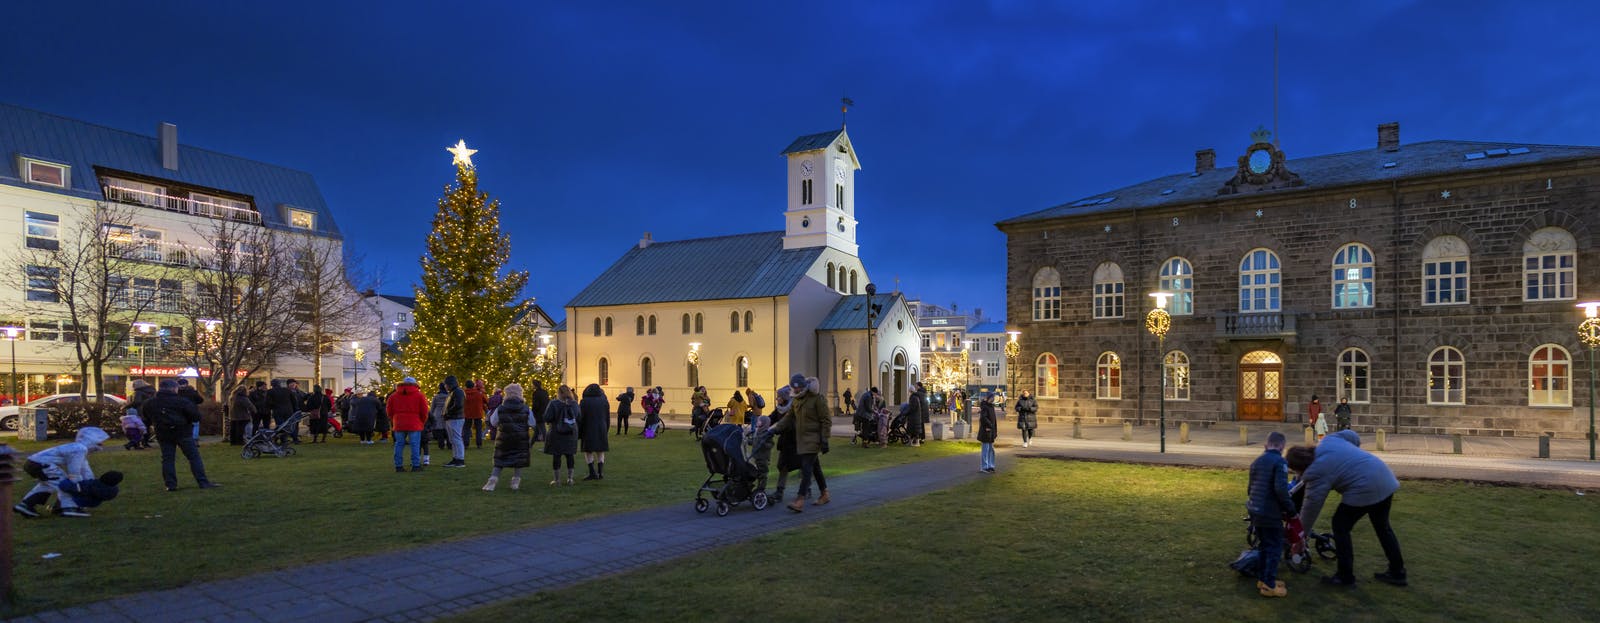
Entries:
{"x":465,"y":304}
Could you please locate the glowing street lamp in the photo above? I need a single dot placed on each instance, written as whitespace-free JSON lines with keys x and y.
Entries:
{"x":144,"y":329}
{"x":1158,"y":321}
{"x":13,"y":334}
{"x":1589,"y":334}
{"x":1013,"y":349}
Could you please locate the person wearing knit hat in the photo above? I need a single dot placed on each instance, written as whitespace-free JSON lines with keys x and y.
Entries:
{"x":811,"y":422}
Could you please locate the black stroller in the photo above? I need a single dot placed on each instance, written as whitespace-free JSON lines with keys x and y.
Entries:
{"x":873,"y":428}
{"x":701,"y":420}
{"x":897,"y":429}
{"x":737,"y":463}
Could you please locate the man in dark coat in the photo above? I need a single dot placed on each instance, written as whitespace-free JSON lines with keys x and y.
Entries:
{"x":624,"y":410}
{"x":594,"y":421}
{"x":363,"y":416}
{"x":281,"y":403}
{"x":174,"y":417}
{"x":454,"y":419}
{"x":538,"y":401}
{"x":919,"y":415}
{"x":988,"y":430}
{"x":188,"y":391}
{"x":263,"y":413}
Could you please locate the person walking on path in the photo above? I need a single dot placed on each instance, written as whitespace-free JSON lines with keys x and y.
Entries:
{"x":538,"y":401}
{"x":1269,"y":505}
{"x":561,"y":438}
{"x":408,"y":412}
{"x":1314,"y":417}
{"x":1027,"y":416}
{"x":57,"y":466}
{"x":175,"y":417}
{"x":241,"y":411}
{"x":809,"y":419}
{"x":472,"y":412}
{"x":788,"y":461}
{"x":624,"y":411}
{"x":1341,"y":414}
{"x":511,"y":446}
{"x":736,"y":409}
{"x":1366,"y":487}
{"x":363,"y":416}
{"x":594,"y":421}
{"x":988,"y":429}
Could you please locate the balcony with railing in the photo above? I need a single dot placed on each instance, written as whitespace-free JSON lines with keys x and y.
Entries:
{"x":183,"y":205}
{"x":1256,"y":326}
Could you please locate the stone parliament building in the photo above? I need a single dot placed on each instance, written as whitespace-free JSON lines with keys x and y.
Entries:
{"x":1431,"y":284}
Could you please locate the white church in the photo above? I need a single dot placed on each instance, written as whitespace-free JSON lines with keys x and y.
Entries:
{"x":749,"y":310}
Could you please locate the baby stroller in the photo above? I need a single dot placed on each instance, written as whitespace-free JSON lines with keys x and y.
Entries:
{"x":274,"y":441}
{"x":1298,"y":552}
{"x":897,"y":429}
{"x":872,"y":428}
{"x":737,"y":464}
{"x":336,"y":427}
{"x":701,"y":421}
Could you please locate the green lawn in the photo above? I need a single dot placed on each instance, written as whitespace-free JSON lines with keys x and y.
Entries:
{"x":1068,"y":541}
{"x":333,"y":501}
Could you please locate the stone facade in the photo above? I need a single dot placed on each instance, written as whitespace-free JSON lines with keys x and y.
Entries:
{"x":1495,"y":209}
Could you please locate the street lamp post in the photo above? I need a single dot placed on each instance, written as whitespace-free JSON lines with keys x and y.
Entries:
{"x":1589,"y":334}
{"x":357,"y":356}
{"x":144,"y":329}
{"x":1158,"y":321}
{"x":1013,"y":349}
{"x":13,"y":334}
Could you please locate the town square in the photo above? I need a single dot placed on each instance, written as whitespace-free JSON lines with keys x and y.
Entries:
{"x":489,"y":311}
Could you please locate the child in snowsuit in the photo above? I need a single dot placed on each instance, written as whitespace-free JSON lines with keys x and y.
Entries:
{"x":134,"y":429}
{"x":92,"y":492}
{"x":68,"y":461}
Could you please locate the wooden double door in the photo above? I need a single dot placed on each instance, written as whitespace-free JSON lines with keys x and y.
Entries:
{"x":1260,"y":387}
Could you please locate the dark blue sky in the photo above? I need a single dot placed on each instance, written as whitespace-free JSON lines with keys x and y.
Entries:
{"x":600,"y":120}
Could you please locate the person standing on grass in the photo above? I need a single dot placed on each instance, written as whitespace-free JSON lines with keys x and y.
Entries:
{"x":316,"y":413}
{"x":241,"y":411}
{"x":511,"y":444}
{"x":1341,"y":414}
{"x":262,"y":408}
{"x":408,"y":413}
{"x":1027,"y":416}
{"x":175,"y":417}
{"x":1269,"y":505}
{"x":436,"y":408}
{"x":538,"y":402}
{"x":561,"y":437}
{"x":988,"y":429}
{"x":1366,"y":487}
{"x":624,"y":411}
{"x":454,"y":418}
{"x":499,"y":396}
{"x":472,"y":410}
{"x":282,"y":404}
{"x":736,"y":409}
{"x":809,"y":419}
{"x":364,"y":416}
{"x":594,"y":421}
{"x":915,"y":424}
{"x":652,"y":410}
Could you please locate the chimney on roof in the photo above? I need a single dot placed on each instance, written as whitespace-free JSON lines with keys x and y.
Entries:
{"x":1389,"y":136}
{"x":977,"y":312}
{"x":169,"y":146}
{"x":645,"y":241}
{"x":1205,"y":160}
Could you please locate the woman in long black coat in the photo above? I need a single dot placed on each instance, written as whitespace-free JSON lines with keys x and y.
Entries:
{"x":594,"y":422}
{"x":1027,"y":416}
{"x":364,"y":416}
{"x":561,"y":436}
{"x":316,"y":408}
{"x":511,"y":446}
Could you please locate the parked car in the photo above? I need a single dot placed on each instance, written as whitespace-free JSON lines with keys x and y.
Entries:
{"x":10,"y":422}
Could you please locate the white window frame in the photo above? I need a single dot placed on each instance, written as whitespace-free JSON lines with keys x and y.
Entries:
{"x":1446,"y":269}
{"x":1177,"y":277}
{"x":1353,"y":270}
{"x":1046,"y":294}
{"x":42,"y":226}
{"x":1175,"y":371}
{"x":1108,"y":287}
{"x":1047,"y":376}
{"x":1558,"y":386}
{"x":1354,"y":366}
{"x":41,"y":284}
{"x":1260,"y":272}
{"x":310,"y":218}
{"x":1553,"y":273}
{"x":1108,"y":377}
{"x":28,"y":165}
{"x":991,"y":369}
{"x":1447,"y":363}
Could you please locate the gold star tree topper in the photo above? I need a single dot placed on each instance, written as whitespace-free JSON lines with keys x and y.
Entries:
{"x":463,"y":155}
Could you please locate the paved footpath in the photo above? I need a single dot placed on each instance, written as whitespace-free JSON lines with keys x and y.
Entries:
{"x":433,"y":581}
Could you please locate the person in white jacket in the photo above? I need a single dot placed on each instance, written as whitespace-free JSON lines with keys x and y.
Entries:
{"x":68,"y":461}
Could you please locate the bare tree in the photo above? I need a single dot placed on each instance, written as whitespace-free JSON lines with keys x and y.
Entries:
{"x":242,"y":313}
{"x":92,"y":275}
{"x":328,"y":298}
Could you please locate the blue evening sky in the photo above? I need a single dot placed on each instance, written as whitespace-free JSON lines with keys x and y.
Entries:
{"x":598,"y":121}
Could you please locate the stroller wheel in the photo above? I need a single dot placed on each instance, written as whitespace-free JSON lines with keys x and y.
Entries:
{"x":759,"y":500}
{"x":1300,"y":562}
{"x":281,"y":452}
{"x":723,"y":508}
{"x":700,"y":505}
{"x":288,"y":451}
{"x":251,"y":452}
{"x":1325,"y":547}
{"x":338,"y":434}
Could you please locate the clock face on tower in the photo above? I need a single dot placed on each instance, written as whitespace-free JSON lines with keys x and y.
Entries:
{"x":805,"y":167}
{"x":1260,"y":161}
{"x":838,"y":169}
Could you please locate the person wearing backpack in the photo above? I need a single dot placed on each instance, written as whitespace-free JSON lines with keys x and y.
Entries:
{"x":561,"y":440}
{"x":174,"y":418}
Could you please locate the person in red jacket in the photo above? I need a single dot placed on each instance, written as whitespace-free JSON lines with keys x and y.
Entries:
{"x":472,"y":410}
{"x":407,"y":409}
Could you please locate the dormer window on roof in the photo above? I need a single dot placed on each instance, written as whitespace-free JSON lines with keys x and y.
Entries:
{"x":301,"y":219}
{"x":44,"y":173}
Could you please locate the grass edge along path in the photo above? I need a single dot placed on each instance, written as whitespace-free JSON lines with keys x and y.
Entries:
{"x":1056,"y":540}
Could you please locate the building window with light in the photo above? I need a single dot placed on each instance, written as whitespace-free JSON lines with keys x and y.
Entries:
{"x":1108,"y":291}
{"x":847,"y":369}
{"x":1260,"y":283}
{"x":1177,"y":277}
{"x":1352,"y":277}
{"x":400,"y":317}
{"x":1047,"y":294}
{"x":1047,"y":377}
{"x":1175,"y":369}
{"x":605,"y":371}
{"x":1549,"y":265}
{"x":1108,"y":377}
{"x":694,"y":375}
{"x":1355,"y":376}
{"x":741,"y":371}
{"x":1446,"y":271}
{"x":1550,"y":377}
{"x":1447,"y":377}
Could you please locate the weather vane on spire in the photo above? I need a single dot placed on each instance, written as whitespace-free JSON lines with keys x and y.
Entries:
{"x":463,"y":155}
{"x":845,"y":109}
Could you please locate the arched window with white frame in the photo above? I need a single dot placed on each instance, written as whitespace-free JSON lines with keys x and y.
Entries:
{"x":1108,"y":291}
{"x":1447,"y":377}
{"x":741,"y":371}
{"x":1550,"y":266}
{"x":1352,"y":277}
{"x":1175,"y":370}
{"x":1108,"y":377}
{"x":1446,"y":271}
{"x":1047,"y":377}
{"x":1047,"y":294}
{"x":1260,"y":282}
{"x":1550,"y":377}
{"x":1355,"y":376}
{"x":831,"y":282}
{"x":1177,"y":277}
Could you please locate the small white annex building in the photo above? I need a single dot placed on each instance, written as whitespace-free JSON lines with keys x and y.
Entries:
{"x":748,"y":310}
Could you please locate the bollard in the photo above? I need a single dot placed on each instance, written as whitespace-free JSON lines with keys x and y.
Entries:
{"x":1455,"y":443}
{"x":1183,"y":432}
{"x":1244,"y":436}
{"x":1310,"y":437}
{"x":938,"y":430}
{"x":1077,"y":428}
{"x":1544,"y":446}
{"x":1383,"y":440}
{"x":1127,"y":431}
{"x":8,"y":475}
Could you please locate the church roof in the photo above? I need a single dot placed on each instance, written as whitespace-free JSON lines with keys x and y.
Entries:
{"x":1413,"y":160}
{"x":850,"y":313}
{"x":812,"y":142}
{"x":703,"y":269}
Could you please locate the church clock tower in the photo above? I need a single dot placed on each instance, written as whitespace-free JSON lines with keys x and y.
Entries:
{"x":821,"y":205}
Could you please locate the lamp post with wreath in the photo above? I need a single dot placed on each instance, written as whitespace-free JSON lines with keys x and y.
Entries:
{"x":1158,"y":321}
{"x":1589,"y":334}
